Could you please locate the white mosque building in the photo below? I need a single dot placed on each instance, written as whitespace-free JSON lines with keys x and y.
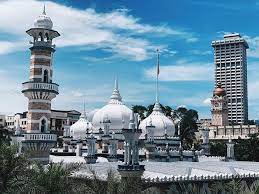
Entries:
{"x":157,"y":139}
{"x":113,"y":134}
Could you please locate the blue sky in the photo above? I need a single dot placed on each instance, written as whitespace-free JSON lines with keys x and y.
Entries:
{"x":102,"y":39}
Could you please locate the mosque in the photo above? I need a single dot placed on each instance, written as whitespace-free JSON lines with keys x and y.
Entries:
{"x":113,"y":136}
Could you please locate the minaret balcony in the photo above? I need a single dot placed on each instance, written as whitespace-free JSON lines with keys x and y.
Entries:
{"x":38,"y":86}
{"x":43,"y":44}
{"x":40,"y":137}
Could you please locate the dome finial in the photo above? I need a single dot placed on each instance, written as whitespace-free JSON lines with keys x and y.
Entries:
{"x":116,"y":97}
{"x":116,"y":85}
{"x":44,"y":10}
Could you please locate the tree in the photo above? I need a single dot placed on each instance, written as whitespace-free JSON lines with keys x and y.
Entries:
{"x":13,"y":168}
{"x":185,"y":121}
{"x":141,"y":110}
{"x":4,"y":135}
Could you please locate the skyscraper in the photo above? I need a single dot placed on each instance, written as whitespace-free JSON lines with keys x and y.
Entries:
{"x":231,"y":71}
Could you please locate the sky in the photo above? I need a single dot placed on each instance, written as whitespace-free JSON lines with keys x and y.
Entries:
{"x":104,"y":39}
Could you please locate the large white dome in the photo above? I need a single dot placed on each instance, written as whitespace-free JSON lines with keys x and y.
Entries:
{"x":79,"y":129}
{"x":161,"y":124}
{"x":117,"y":113}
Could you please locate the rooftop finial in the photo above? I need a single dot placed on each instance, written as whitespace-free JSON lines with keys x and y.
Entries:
{"x":116,"y":85}
{"x":44,"y":10}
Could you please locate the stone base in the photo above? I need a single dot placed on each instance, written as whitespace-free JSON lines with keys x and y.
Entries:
{"x":90,"y":159}
{"x":127,"y":171}
{"x":38,"y":151}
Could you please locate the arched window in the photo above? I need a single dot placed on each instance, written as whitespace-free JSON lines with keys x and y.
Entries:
{"x":47,"y":36}
{"x":40,"y":36}
{"x":43,"y":126}
{"x":46,"y":76}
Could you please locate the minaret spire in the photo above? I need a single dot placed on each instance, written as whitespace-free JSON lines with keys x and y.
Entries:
{"x":116,"y":85}
{"x":157,"y":106}
{"x":44,"y":10}
{"x":84,"y":114}
{"x":116,"y":97}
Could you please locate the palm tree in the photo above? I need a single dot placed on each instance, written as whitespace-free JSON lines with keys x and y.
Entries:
{"x":185,"y":121}
{"x":13,"y":168}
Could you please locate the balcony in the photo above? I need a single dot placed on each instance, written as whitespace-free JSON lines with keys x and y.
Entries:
{"x":34,"y":86}
{"x":40,"y":137}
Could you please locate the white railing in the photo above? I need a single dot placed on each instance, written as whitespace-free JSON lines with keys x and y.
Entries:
{"x":41,"y":137}
{"x":43,"y":86}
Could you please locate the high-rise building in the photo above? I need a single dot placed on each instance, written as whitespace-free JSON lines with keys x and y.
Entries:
{"x":231,"y":71}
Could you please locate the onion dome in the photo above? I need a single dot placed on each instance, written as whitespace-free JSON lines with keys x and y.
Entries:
{"x":161,"y":125}
{"x":79,"y":129}
{"x":219,"y":91}
{"x":43,"y":21}
{"x":117,"y":113}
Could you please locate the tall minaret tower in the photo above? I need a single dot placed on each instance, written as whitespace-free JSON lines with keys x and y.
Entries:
{"x":40,"y":89}
{"x":219,"y":107}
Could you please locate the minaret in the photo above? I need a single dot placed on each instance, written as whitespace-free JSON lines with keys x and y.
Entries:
{"x":40,"y":89}
{"x":205,"y":139}
{"x":131,"y":167}
{"x":230,"y":150}
{"x":219,"y":107}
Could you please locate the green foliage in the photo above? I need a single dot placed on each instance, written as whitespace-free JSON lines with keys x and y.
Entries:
{"x":248,"y":149}
{"x":12,"y":168}
{"x":4,"y":135}
{"x":218,"y":148}
{"x":141,"y":110}
{"x":245,"y":149}
{"x":187,"y":125}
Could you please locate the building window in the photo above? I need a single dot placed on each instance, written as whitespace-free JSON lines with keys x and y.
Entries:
{"x":46,"y":76}
{"x":43,"y":126}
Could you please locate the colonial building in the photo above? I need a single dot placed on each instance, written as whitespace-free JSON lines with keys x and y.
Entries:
{"x":219,"y":107}
{"x":220,"y":128}
{"x":58,"y":120}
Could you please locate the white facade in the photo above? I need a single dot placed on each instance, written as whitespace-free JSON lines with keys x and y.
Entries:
{"x":235,"y":131}
{"x":231,"y":71}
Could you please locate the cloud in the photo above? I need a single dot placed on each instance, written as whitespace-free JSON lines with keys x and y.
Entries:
{"x":11,"y":97}
{"x":253,"y":43}
{"x":207,"y":101}
{"x":116,"y":32}
{"x":182,"y":71}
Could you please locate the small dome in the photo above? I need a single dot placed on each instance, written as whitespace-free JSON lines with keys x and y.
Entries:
{"x":162,"y":124}
{"x":79,"y":129}
{"x":219,"y":91}
{"x":43,"y":21}
{"x":115,"y":111}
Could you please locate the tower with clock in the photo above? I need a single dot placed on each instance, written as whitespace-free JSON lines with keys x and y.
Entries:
{"x":219,"y":107}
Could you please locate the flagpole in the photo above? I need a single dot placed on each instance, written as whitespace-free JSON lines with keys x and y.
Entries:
{"x":157,"y":98}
